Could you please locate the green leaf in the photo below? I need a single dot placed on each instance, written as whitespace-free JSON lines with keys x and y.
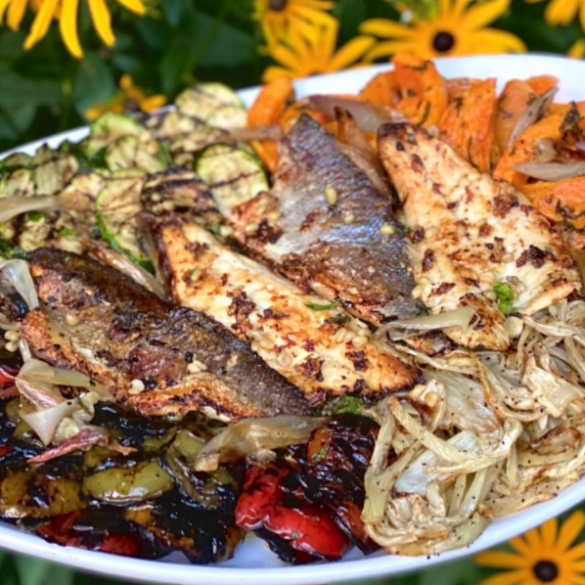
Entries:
{"x":223,"y":45}
{"x":505,"y":296}
{"x":338,"y":319}
{"x":32,"y":571}
{"x":317,"y":307}
{"x":94,"y":83}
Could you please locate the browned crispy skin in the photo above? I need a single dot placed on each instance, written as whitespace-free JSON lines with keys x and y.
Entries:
{"x":185,"y":360}
{"x":337,"y":249}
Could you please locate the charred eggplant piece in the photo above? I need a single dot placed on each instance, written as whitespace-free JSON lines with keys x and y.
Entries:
{"x":105,"y":530}
{"x":338,"y":456}
{"x":204,"y":536}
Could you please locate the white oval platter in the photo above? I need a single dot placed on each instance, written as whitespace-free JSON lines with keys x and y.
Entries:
{"x":254,"y":563}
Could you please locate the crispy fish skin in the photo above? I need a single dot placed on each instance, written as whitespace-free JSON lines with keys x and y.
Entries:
{"x":317,"y":350}
{"x":326,"y":226}
{"x":101,"y":323}
{"x":469,"y":232}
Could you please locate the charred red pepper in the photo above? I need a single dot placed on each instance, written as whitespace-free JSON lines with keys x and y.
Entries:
{"x":270,"y":502}
{"x":6,"y":375}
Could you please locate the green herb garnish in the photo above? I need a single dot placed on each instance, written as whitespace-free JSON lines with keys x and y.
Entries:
{"x":66,"y":232}
{"x":321,"y":454}
{"x":35,"y":216}
{"x":338,"y":319}
{"x":343,"y":405}
{"x":505,"y":296}
{"x":214,"y":229}
{"x":316,"y":307}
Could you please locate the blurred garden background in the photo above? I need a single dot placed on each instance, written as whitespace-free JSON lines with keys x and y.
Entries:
{"x":63,"y":62}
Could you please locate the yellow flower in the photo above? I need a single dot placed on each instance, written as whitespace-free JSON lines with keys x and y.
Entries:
{"x":563,"y":11}
{"x":458,"y":29}
{"x":542,"y":555}
{"x":284,"y":19}
{"x":66,"y":12}
{"x":301,"y":57}
{"x":577,"y":50}
{"x":130,"y":98}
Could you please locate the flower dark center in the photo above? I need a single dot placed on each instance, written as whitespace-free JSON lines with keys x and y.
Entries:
{"x":443,"y":42}
{"x":545,"y":571}
{"x":277,"y":5}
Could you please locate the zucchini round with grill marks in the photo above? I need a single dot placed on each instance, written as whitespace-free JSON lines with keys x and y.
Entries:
{"x":233,"y":175}
{"x":204,"y":101}
{"x":117,"y":208}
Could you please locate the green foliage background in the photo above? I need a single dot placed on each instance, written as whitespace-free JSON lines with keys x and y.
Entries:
{"x":45,"y":90}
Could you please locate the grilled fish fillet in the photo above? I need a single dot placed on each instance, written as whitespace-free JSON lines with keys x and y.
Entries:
{"x":470,"y":233}
{"x":320,"y":350}
{"x":154,"y":357}
{"x":326,"y":226}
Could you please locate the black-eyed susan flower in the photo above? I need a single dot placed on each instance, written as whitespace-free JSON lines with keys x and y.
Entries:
{"x":542,"y":555}
{"x":130,"y":98}
{"x":459,"y":28}
{"x":563,"y":11}
{"x":66,"y":12}
{"x":301,"y":57}
{"x":285,"y":19}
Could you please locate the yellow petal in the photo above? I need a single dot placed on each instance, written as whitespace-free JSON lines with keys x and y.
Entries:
{"x":519,"y":545}
{"x":152,"y":102}
{"x":506,"y":578}
{"x":15,"y":13}
{"x":68,"y":27}
{"x":351,"y":52}
{"x":100,"y":16}
{"x":500,"y":560}
{"x":41,"y":23}
{"x":284,"y":56}
{"x":576,"y":580}
{"x":326,"y":46}
{"x":272,"y":73}
{"x":3,"y":5}
{"x":491,"y":40}
{"x":311,"y":16}
{"x":482,"y":14}
{"x":572,"y":526}
{"x":387,"y":48}
{"x":384,"y":28}
{"x":561,"y":11}
{"x":458,"y":9}
{"x":576,"y":552}
{"x":548,"y":533}
{"x":577,"y":51}
{"x":134,"y":5}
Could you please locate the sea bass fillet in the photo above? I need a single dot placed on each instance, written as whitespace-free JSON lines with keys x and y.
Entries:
{"x":327,"y":227}
{"x":156,"y":358}
{"x":309,"y":341}
{"x":475,"y":242}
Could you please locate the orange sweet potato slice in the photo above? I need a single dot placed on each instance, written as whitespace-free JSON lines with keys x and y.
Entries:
{"x":468,"y":125}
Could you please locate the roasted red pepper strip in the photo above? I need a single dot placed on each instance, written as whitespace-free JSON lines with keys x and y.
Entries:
{"x":6,"y":375}
{"x":308,"y":529}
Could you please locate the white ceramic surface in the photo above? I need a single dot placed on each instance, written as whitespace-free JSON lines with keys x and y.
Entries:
{"x":253,"y":563}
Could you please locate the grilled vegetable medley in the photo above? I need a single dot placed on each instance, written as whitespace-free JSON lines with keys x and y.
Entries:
{"x":332,"y":322}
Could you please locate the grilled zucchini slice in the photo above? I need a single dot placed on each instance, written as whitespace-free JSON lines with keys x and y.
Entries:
{"x":233,"y":174}
{"x":117,"y":208}
{"x":108,"y":128}
{"x":213,"y":103}
{"x":130,"y":152}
